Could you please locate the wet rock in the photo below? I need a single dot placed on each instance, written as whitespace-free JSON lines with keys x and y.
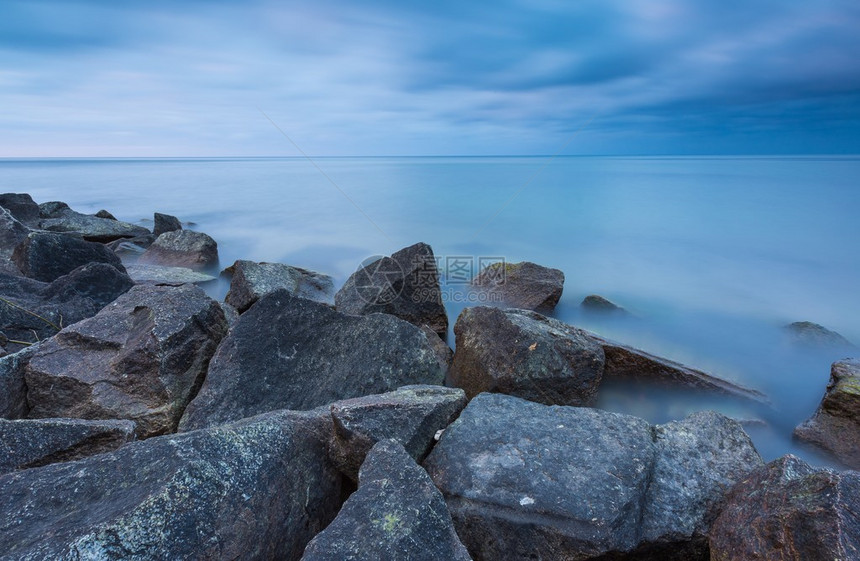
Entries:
{"x":787,"y":510}
{"x":160,"y":274}
{"x":12,"y":233}
{"x":92,"y":228}
{"x":524,"y":480}
{"x":522,"y":285}
{"x":131,"y":246}
{"x":46,"y":256}
{"x":812,"y":334}
{"x":405,"y":285}
{"x":252,"y":280}
{"x":104,"y":214}
{"x":165,"y":223}
{"x":597,"y":303}
{"x":523,"y":353}
{"x":835,"y":427}
{"x":22,"y":207}
{"x":411,"y":415}
{"x":396,"y":513}
{"x":32,"y":443}
{"x":288,"y":352}
{"x":183,"y":248}
{"x":13,"y":389}
{"x":53,"y":209}
{"x":257,"y":489}
{"x":140,"y":358}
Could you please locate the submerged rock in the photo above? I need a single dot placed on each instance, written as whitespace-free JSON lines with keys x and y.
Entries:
{"x":812,"y":334}
{"x":522,"y":285}
{"x":46,"y":256}
{"x":835,"y":427}
{"x":524,"y":480}
{"x":160,"y":274}
{"x":32,"y":443}
{"x":395,"y":514}
{"x":140,"y":358}
{"x":411,"y":415}
{"x":523,"y":353}
{"x":405,"y":285}
{"x":183,"y":248}
{"x":787,"y":510}
{"x":257,"y":489}
{"x":288,"y":352}
{"x":92,"y":228}
{"x":165,"y":223}
{"x":253,"y":280}
{"x":597,"y":303}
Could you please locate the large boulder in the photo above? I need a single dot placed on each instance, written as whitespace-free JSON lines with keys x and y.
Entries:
{"x":252,"y":280}
{"x":405,"y":285}
{"x":22,"y":207}
{"x":140,"y":358}
{"x":165,"y":223}
{"x":288,"y":352}
{"x":182,"y":248}
{"x":523,"y":353}
{"x":396,"y":514}
{"x":787,"y":510}
{"x":32,"y":443}
{"x":31,"y":310}
{"x":89,"y":227}
{"x":523,"y":285}
{"x":835,"y":426}
{"x":524,"y":480}
{"x":46,"y":256}
{"x":411,"y":415}
{"x":258,"y":489}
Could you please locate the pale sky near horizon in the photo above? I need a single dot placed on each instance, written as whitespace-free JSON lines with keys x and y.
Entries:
{"x":194,"y":78}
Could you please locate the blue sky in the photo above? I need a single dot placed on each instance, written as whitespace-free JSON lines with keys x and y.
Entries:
{"x":159,"y":78}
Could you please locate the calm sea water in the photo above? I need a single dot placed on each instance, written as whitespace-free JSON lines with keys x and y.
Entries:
{"x":712,"y":255}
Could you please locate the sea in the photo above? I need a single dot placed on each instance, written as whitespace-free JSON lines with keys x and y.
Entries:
{"x":712,"y":256}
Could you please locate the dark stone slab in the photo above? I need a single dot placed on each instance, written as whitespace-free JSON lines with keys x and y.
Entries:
{"x":46,"y":256}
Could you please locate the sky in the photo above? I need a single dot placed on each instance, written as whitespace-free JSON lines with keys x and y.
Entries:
{"x":122,"y":78}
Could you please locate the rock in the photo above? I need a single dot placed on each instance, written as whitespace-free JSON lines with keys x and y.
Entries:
{"x":31,"y":310}
{"x":443,"y":351}
{"x":104,"y":214}
{"x":405,"y":285}
{"x":524,"y":480}
{"x":131,"y":246}
{"x":257,"y":489}
{"x":627,"y":363}
{"x":252,"y":280}
{"x":53,"y":209}
{"x":787,"y":510}
{"x":288,"y":352}
{"x":835,"y":426}
{"x":165,"y":223}
{"x":183,"y":248}
{"x":46,"y":256}
{"x":396,"y":514}
{"x":812,"y":334}
{"x":13,"y":389}
{"x":92,"y":228}
{"x":140,"y":358}
{"x":521,"y":285}
{"x":12,"y":233}
{"x":523,"y":353}
{"x":411,"y":415}
{"x":597,"y":303}
{"x":22,"y":207}
{"x":160,"y":274}
{"x":33,"y":443}
{"x":230,"y":313}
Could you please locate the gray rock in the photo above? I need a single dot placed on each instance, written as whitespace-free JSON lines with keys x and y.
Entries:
{"x":32,"y":443}
{"x":53,"y":209}
{"x":140,"y":358}
{"x":788,"y":511}
{"x":411,"y":415}
{"x":46,"y":256}
{"x":12,"y":233}
{"x":92,"y":228}
{"x":812,"y":334}
{"x":288,"y":352}
{"x":258,"y":489}
{"x":161,"y":274}
{"x":230,"y":313}
{"x":523,"y":353}
{"x":131,"y":247}
{"x":252,"y":280}
{"x":165,"y":223}
{"x":405,"y":285}
{"x":597,"y":303}
{"x":13,"y":389}
{"x":104,"y":214}
{"x":835,"y":426}
{"x":523,"y":285}
{"x":396,"y":514}
{"x":443,"y":351}
{"x":183,"y":248}
{"x":555,"y":482}
{"x":22,"y":207}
